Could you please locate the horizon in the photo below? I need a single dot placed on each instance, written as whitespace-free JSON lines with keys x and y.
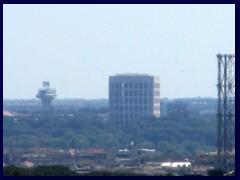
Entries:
{"x":197,"y":97}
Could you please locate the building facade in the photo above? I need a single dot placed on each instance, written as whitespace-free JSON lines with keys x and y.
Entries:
{"x":133,"y":95}
{"x":177,"y":109}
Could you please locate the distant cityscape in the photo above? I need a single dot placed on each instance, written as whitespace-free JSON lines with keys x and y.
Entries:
{"x":153,"y":90}
{"x":169,"y":107}
{"x":53,"y":128}
{"x":131,"y":97}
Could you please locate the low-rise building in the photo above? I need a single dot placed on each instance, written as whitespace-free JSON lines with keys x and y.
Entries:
{"x":28,"y":164}
{"x":93,"y":153}
{"x":175,"y":164}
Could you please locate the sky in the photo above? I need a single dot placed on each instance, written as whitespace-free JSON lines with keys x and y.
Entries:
{"x":77,"y":47}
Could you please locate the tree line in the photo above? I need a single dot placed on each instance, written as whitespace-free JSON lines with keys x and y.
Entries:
{"x":58,"y":170}
{"x":179,"y":135}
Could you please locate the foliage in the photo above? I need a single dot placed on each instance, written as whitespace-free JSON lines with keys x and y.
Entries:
{"x":166,"y":174}
{"x":231,"y":173}
{"x":58,"y":171}
{"x":38,"y":171}
{"x":216,"y":172}
{"x":108,"y":173}
{"x":171,"y":137}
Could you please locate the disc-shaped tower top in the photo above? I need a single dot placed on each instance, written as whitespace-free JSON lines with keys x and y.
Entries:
{"x":46,"y":95}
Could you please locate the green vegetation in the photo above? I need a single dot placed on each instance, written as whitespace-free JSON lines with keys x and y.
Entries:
{"x":58,"y":171}
{"x":64,"y":171}
{"x":173,"y":137}
{"x":107,"y":173}
{"x":38,"y":171}
{"x":216,"y":172}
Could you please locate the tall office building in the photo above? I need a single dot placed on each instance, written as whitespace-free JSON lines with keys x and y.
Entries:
{"x":133,"y":95}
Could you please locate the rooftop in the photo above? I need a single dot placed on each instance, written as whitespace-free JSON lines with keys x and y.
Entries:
{"x":95,"y":151}
{"x":132,"y":74}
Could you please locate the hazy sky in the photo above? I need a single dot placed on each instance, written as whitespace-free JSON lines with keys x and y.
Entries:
{"x":77,"y":47}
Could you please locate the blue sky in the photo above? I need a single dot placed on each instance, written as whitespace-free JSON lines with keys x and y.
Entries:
{"x":77,"y":47}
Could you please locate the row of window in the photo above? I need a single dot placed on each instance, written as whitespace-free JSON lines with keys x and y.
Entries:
{"x":132,"y":100}
{"x":130,"y":85}
{"x":133,"y":93}
{"x":133,"y":85}
{"x":131,"y":108}
{"x":129,"y":100}
{"x":156,"y":108}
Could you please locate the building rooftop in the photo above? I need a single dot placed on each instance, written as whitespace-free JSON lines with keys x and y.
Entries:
{"x":175,"y":164}
{"x":7,"y":113}
{"x":132,"y":74}
{"x":95,"y":151}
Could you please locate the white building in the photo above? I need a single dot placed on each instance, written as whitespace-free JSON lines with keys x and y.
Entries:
{"x":175,"y":164}
{"x":133,"y":95}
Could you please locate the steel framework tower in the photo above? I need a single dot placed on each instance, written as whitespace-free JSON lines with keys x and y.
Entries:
{"x":226,"y":109}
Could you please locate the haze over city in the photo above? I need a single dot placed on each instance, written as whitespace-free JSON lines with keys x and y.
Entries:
{"x":77,"y":47}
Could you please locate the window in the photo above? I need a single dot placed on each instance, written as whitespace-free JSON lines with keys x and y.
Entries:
{"x":145,"y":93}
{"x":156,"y":93}
{"x":131,"y":100}
{"x":136,"y":108}
{"x":150,"y":93}
{"x":136,"y":85}
{"x":135,"y":93}
{"x":156,"y":85}
{"x":111,"y":93}
{"x":126,"y":108}
{"x":131,"y":108}
{"x":156,"y":108}
{"x":130,"y":85}
{"x":111,"y":85}
{"x":130,"y":93}
{"x":145,"y":108}
{"x":145,"y":85}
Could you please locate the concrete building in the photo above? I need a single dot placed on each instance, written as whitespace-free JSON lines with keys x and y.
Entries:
{"x":133,"y":95}
{"x":177,"y":109}
{"x":46,"y":95}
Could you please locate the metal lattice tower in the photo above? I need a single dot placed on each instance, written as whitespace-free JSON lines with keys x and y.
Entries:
{"x":226,"y":109}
